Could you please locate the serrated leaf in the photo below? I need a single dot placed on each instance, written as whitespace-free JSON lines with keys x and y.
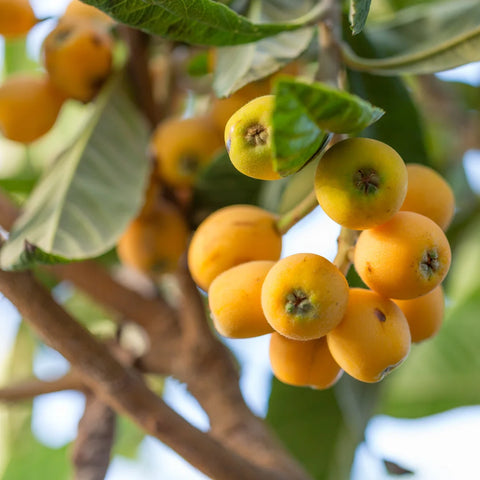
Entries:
{"x":238,"y":65}
{"x":358,"y":14}
{"x":305,"y":113}
{"x":85,"y":200}
{"x":424,"y":39}
{"x":200,"y":22}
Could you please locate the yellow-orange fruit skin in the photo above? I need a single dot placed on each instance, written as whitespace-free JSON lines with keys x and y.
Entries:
{"x":29,"y":107}
{"x":231,"y":236}
{"x":80,"y":10}
{"x":251,"y":152}
{"x":304,"y":296}
{"x":182,"y":147}
{"x":429,"y":194}
{"x":372,"y":338}
{"x":404,"y":258}
{"x":303,"y":363}
{"x":16,"y":18}
{"x":222,"y":109}
{"x":78,"y":57}
{"x":235,"y":302}
{"x":153,"y":243}
{"x":360,"y":182}
{"x":424,"y":314}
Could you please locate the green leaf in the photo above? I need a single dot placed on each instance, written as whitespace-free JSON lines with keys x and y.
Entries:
{"x":303,"y":115}
{"x":86,"y":199}
{"x":201,"y":22}
{"x":15,"y":58}
{"x":424,"y":39}
{"x":241,"y":64}
{"x":358,"y":14}
{"x":221,"y":184}
{"x":401,"y":126}
{"x":441,"y":373}
{"x":321,"y":432}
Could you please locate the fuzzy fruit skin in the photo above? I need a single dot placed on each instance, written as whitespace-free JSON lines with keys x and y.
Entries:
{"x":153,"y":243}
{"x":231,"y":236}
{"x":235,"y":302}
{"x":250,"y":157}
{"x":424,"y":314}
{"x":303,"y":363}
{"x":182,"y":147}
{"x":78,"y":9}
{"x":78,"y":55}
{"x":373,"y":337}
{"x":16,"y":18}
{"x":391,"y":258}
{"x":429,"y":194}
{"x":29,"y":107}
{"x":304,"y":276}
{"x":336,"y":183}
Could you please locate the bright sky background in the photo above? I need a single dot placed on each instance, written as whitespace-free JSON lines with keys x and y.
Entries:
{"x":442,"y":447}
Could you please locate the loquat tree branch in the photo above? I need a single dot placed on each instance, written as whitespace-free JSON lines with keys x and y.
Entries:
{"x":122,"y":388}
{"x":28,"y":389}
{"x":209,"y":371}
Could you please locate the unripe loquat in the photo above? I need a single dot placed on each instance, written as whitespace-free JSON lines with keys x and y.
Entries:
{"x":248,"y":138}
{"x":429,"y":194}
{"x":373,"y":337}
{"x":182,"y":147}
{"x":78,"y":57}
{"x":153,"y":243}
{"x":306,"y":363}
{"x":304,"y":296}
{"x":424,"y":314}
{"x":29,"y":107}
{"x":231,"y":236}
{"x":360,"y":182}
{"x":16,"y":18}
{"x":235,"y":302}
{"x":406,"y":257}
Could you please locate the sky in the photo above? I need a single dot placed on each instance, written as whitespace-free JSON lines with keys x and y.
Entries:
{"x":441,"y":447}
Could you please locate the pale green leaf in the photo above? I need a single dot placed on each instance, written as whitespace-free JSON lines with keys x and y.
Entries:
{"x":86,"y":199}
{"x":424,"y":39}
{"x":241,"y":64}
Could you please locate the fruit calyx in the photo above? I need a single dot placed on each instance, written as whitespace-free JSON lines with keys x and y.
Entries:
{"x":256,"y":135}
{"x":429,"y":263}
{"x":298,"y":304}
{"x":366,"y":180}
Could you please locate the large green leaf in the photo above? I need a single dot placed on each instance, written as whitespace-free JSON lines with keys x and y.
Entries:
{"x":85,"y":200}
{"x":303,"y":115}
{"x":401,"y":126}
{"x":322,"y":428}
{"x":424,"y":39}
{"x":202,"y":22}
{"x":241,"y":64}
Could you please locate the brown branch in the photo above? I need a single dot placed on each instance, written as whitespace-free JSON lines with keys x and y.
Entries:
{"x":346,"y":244}
{"x":93,"y":445}
{"x":31,"y":388}
{"x":208,"y":370}
{"x":121,"y":387}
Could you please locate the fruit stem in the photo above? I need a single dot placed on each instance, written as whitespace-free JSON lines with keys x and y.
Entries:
{"x":293,"y":216}
{"x":346,"y":243}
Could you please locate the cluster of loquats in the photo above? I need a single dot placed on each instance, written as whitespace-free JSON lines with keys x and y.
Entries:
{"x":77,"y":56}
{"x":320,"y":326}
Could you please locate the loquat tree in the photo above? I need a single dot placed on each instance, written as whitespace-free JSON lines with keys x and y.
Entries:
{"x":154,"y":158}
